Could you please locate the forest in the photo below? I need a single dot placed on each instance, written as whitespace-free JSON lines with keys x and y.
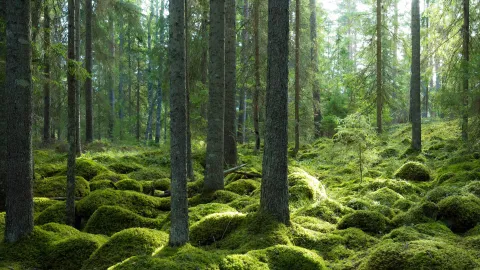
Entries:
{"x":250,"y":134}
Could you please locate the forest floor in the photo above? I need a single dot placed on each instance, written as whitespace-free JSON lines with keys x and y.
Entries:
{"x":357,"y":201}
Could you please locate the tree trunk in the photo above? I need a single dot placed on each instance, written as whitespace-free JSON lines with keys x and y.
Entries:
{"x":297,"y":77}
{"x":111,"y":122}
{"x":190,"y":174}
{"x":204,"y":56}
{"x":46,"y":71}
{"x":78,"y":140}
{"x":150,"y":99}
{"x":466,"y":59}
{"x":216,"y":99}
{"x":242,"y":110}
{"x":415,"y":79}
{"x":274,"y":188}
{"x":379,"y":67}
{"x":18,"y":99}
{"x":158,"y":125}
{"x":178,"y":126}
{"x":257,"y":74}
{"x":121,"y":72}
{"x":129,"y":76}
{"x":88,"y":66}
{"x":230,"y":144}
{"x":138,"y":98}
{"x":3,"y":104}
{"x":317,"y":112}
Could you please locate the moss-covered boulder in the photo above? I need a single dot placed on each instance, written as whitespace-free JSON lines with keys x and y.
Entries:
{"x":125,"y":244}
{"x":424,"y":212}
{"x":138,"y":203}
{"x":367,"y":221}
{"x":129,"y":184}
{"x":460,"y":213}
{"x":314,"y":224}
{"x":54,"y":213}
{"x":49,"y":169}
{"x":285,"y":257}
{"x":88,"y":168}
{"x":41,"y":203}
{"x":439,"y":193}
{"x":219,"y":196}
{"x":114,"y":177}
{"x":202,"y":210}
{"x":327,"y":209}
{"x":242,"y":262}
{"x":385,"y":196}
{"x":215,"y":227}
{"x":102,"y":184}
{"x":162,"y":184}
{"x":241,"y":203}
{"x":149,"y":174}
{"x":57,"y":187}
{"x":108,"y":220}
{"x":72,"y":252}
{"x":243,"y":186}
{"x":472,"y":187}
{"x":304,"y":188}
{"x":419,"y":254}
{"x":414,"y":171}
{"x":403,"y":204}
{"x":124,"y":167}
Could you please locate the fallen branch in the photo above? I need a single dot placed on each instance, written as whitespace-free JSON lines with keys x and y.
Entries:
{"x":233,"y":169}
{"x":250,"y":175}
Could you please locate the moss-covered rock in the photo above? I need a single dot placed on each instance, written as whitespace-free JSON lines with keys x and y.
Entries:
{"x":54,"y":213}
{"x":124,"y":167}
{"x":243,"y":186}
{"x":102,"y":184}
{"x":88,"y":168}
{"x":61,"y":230}
{"x":149,"y":174}
{"x":138,"y":203}
{"x":202,"y":210}
{"x":419,"y":254}
{"x":114,"y":177}
{"x":460,"y":213}
{"x":162,"y":184}
{"x":215,"y":227}
{"x":403,"y":204}
{"x":473,"y":187}
{"x":242,"y":262}
{"x":327,"y":209}
{"x":367,"y":221}
{"x":439,"y":193}
{"x":241,"y":203}
{"x":385,"y":196}
{"x":424,"y":212}
{"x":41,"y":203}
{"x":219,"y":196}
{"x":313,"y":223}
{"x":389,"y":152}
{"x":304,"y":188}
{"x":50,"y":169}
{"x":129,"y":184}
{"x":57,"y":187}
{"x":414,"y":171}
{"x":108,"y":220}
{"x":290,"y":257}
{"x":125,"y":244}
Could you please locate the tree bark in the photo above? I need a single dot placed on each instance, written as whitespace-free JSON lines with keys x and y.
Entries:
{"x":121,"y":79}
{"x":242,"y":110}
{"x":178,"y":126}
{"x":151,"y":98}
{"x":18,"y":99}
{"x":379,"y":67}
{"x":3,"y":104}
{"x":78,"y":140}
{"x":230,"y":144}
{"x":111,"y":120}
{"x":256,"y":93}
{"x":466,"y":59}
{"x":415,"y":79}
{"x":317,"y":112}
{"x":88,"y":66}
{"x":274,"y":188}
{"x":46,"y":71}
{"x":297,"y":77}
{"x":216,"y":99}
{"x":158,"y":124}
{"x":190,"y":173}
{"x":137,"y":129}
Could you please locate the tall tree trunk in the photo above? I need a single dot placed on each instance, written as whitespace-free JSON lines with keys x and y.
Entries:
{"x":78,"y":140}
{"x":18,"y":99}
{"x":242,"y":110}
{"x":46,"y":71}
{"x":317,"y":112}
{"x":72,"y":121}
{"x":151,"y":97}
{"x":230,"y":144}
{"x":129,"y":45}
{"x":274,"y":188}
{"x":137,"y":129}
{"x":216,"y":98}
{"x":3,"y":105}
{"x":466,"y":59}
{"x":256,"y":93}
{"x":121,"y":72}
{"x":88,"y":66}
{"x":204,"y":54}
{"x":379,"y":67}
{"x":158,"y":125}
{"x":297,"y":77}
{"x":190,"y":174}
{"x":111,"y":122}
{"x":178,"y":126}
{"x":415,"y":79}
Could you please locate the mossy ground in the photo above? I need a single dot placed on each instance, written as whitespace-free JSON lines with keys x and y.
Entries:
{"x":409,"y":210}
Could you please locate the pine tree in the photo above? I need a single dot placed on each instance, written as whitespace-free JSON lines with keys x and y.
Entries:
{"x":415,"y":79}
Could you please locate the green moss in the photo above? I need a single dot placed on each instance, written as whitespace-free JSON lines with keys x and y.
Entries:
{"x":241,"y":203}
{"x":162,"y":184}
{"x":215,"y":227}
{"x":419,"y":254}
{"x":403,"y":204}
{"x":49,"y":169}
{"x":404,"y":234}
{"x":114,"y":177}
{"x":129,"y":184}
{"x":389,"y":152}
{"x":402,"y":187}
{"x":57,"y":187}
{"x":413,"y":171}
{"x":202,"y":210}
{"x":242,"y":262}
{"x":70,"y":253}
{"x":108,"y":220}
{"x":435,"y":229}
{"x":41,"y":203}
{"x":328,"y":210}
{"x":290,"y":257}
{"x":149,"y":174}
{"x":138,"y":203}
{"x":243,"y":186}
{"x":367,"y":221}
{"x":473,"y":187}
{"x":460,"y":213}
{"x":54,"y":213}
{"x":304,"y":188}
{"x":219,"y":196}
{"x":424,"y":212}
{"x":124,"y":167}
{"x":313,"y":223}
{"x":385,"y":196}
{"x":61,"y":230}
{"x":88,"y":168}
{"x":462,"y":178}
{"x":102,"y":184}
{"x":125,"y":244}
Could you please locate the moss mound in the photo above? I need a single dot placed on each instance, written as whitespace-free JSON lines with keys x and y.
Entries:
{"x":441,"y":192}
{"x":55,"y":213}
{"x":149,"y":174}
{"x":290,"y":257}
{"x":328,"y":210}
{"x":242,"y":262}
{"x":138,"y":203}
{"x":243,"y":186}
{"x":460,"y":213}
{"x":313,"y":223}
{"x":419,"y":254}
{"x":129,"y":184}
{"x":57,"y":187}
{"x":102,"y":184}
{"x":124,"y":167}
{"x":424,"y":212}
{"x":202,"y":210}
{"x":108,"y":220}
{"x":215,"y":227}
{"x":88,"y":168}
{"x":304,"y":188}
{"x":41,"y":203}
{"x":385,"y":196}
{"x":114,"y":177}
{"x":219,"y":196}
{"x":125,"y":244}
{"x":70,"y":253}
{"x":414,"y":171}
{"x":367,"y":221}
{"x":162,"y":184}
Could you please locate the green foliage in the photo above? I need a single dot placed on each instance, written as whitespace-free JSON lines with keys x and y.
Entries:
{"x":149,"y":174}
{"x":200,"y":211}
{"x":385,"y":196}
{"x":460,"y":213}
{"x":40,"y":204}
{"x":304,"y":188}
{"x":367,"y":221}
{"x":129,"y":184}
{"x":413,"y":171}
{"x":101,"y":184}
{"x":125,"y":244}
{"x":50,"y":169}
{"x":290,"y":257}
{"x":243,"y":186}
{"x":114,"y":177}
{"x":242,"y":262}
{"x":215,"y":227}
{"x":88,"y":168}
{"x":424,"y":212}
{"x":124,"y":167}
{"x":57,"y":187}
{"x":328,"y":210}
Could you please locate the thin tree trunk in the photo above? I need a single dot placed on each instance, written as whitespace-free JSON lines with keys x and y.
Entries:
{"x":88,"y":66}
{"x":3,"y":106}
{"x":111,"y":122}
{"x":257,"y":74}
{"x":297,"y":77}
{"x":466,"y":59}
{"x":178,"y":126}
{"x":150,"y":100}
{"x":190,"y":174}
{"x":415,"y":79}
{"x":274,"y":188}
{"x":216,"y":101}
{"x":78,"y":140}
{"x":121,"y":72}
{"x":46,"y":71}
{"x":129,"y":45}
{"x":138,"y":98}
{"x":317,"y":113}
{"x":243,"y":90}
{"x":158,"y":125}
{"x":70,"y":216}
{"x":379,"y":67}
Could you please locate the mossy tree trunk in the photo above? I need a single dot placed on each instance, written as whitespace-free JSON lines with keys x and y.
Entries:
{"x":88,"y":67}
{"x":18,"y":112}
{"x":297,"y":77}
{"x":77,"y":81}
{"x":256,"y":93}
{"x":216,"y":98}
{"x":3,"y":110}
{"x":466,"y":58}
{"x":46,"y":71}
{"x":274,"y":190}
{"x":415,"y":79}
{"x":178,"y":125}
